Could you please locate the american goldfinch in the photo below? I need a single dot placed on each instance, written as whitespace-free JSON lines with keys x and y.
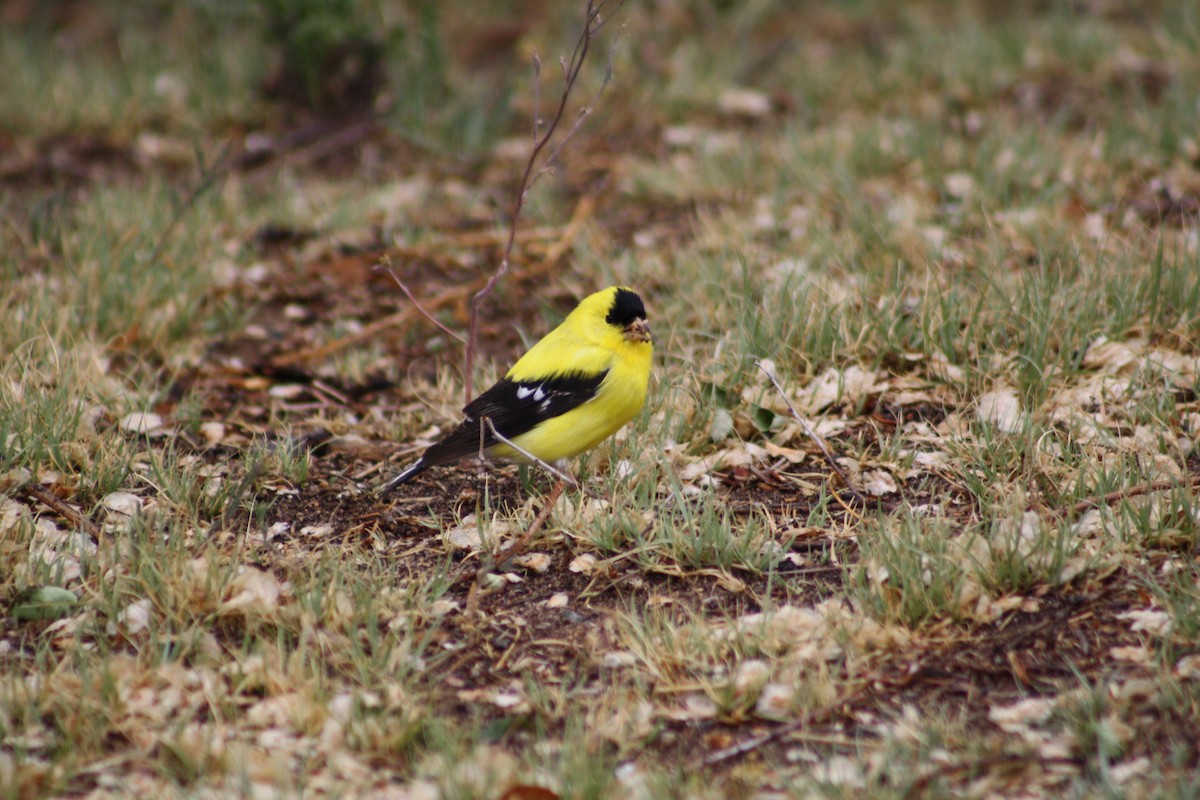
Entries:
{"x":573,"y":389}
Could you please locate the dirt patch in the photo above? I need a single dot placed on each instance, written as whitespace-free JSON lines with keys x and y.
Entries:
{"x":1063,"y":645}
{"x":64,"y":161}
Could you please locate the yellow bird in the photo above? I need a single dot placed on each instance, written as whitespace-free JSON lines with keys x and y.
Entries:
{"x":573,"y":389}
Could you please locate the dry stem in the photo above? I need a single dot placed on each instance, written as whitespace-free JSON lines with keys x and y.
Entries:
{"x":516,"y":548}
{"x":385,"y":264}
{"x":592,"y":23}
{"x":36,"y":491}
{"x":812,"y":434}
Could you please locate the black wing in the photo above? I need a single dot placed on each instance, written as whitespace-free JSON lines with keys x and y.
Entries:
{"x":514,"y":408}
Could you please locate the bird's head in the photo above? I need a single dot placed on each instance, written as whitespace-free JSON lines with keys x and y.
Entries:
{"x":625,"y":311}
{"x":612,"y":316}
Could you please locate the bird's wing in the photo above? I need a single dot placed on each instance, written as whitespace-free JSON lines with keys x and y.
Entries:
{"x":514,"y":407}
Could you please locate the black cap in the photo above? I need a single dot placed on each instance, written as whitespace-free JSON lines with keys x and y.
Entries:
{"x":626,"y":308}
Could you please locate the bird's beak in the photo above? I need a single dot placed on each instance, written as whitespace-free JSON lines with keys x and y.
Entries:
{"x":638,"y":331}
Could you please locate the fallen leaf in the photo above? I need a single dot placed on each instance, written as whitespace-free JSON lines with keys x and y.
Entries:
{"x":141,"y":422}
{"x":847,"y":386}
{"x":721,"y":426}
{"x":1125,"y":771}
{"x":1002,"y":409}
{"x":742,"y":102}
{"x":583,"y":565}
{"x":253,"y":590}
{"x":751,"y":675}
{"x":14,"y":479}
{"x":122,"y":503}
{"x":776,"y":701}
{"x":442,"y":607}
{"x":1135,"y":654}
{"x":287,"y":391}
{"x":464,"y":538}
{"x":1109,"y":357}
{"x":695,"y":707}
{"x":792,"y":455}
{"x":534,"y":562}
{"x":213,"y":432}
{"x":133,"y":619}
{"x":1020,"y":716}
{"x":506,"y":700}
{"x":877,"y":482}
{"x":1188,"y":667}
{"x":618,"y":658}
{"x":43,"y":602}
{"x":839,"y":771}
{"x":959,"y":184}
{"x":1148,"y":620}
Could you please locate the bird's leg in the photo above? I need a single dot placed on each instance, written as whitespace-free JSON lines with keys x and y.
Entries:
{"x":562,"y":476}
{"x":484,"y":421}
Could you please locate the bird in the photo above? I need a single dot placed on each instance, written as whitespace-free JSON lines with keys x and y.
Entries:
{"x":578,"y":385}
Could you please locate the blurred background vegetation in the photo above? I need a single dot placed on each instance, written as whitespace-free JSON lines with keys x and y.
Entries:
{"x":908,"y":207}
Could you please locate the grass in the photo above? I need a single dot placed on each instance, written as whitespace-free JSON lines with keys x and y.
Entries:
{"x":964,"y":243}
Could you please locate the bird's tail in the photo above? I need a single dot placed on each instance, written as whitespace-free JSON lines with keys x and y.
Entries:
{"x":416,"y":467}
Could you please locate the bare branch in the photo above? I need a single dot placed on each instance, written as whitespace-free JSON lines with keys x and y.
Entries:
{"x":537,"y":97}
{"x":547,"y":165}
{"x":516,"y":548}
{"x":812,"y":434}
{"x":385,"y":264}
{"x":583,"y":114}
{"x":40,"y":493}
{"x":1192,"y":482}
{"x":592,"y":24}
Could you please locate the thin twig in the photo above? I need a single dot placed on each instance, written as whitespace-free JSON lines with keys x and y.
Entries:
{"x":537,"y":97}
{"x":592,"y":23}
{"x":398,"y":319}
{"x":580,"y":118}
{"x":1123,"y":494}
{"x":47,"y":498}
{"x":326,"y":392}
{"x":827,"y":570}
{"x":385,"y":264}
{"x":517,"y":547}
{"x":817,"y":717}
{"x":812,"y":434}
{"x":208,"y":179}
{"x":308,"y":144}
